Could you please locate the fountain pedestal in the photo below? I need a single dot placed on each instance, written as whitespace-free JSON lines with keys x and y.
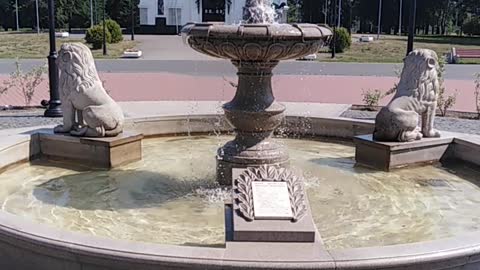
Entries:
{"x":255,"y":49}
{"x":255,"y":114}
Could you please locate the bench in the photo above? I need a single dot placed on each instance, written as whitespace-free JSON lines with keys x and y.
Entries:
{"x":464,"y":53}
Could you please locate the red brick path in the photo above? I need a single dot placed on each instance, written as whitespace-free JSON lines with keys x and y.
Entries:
{"x":322,"y":89}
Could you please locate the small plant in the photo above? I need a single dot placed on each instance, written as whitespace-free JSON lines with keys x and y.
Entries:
{"x":477,"y":93}
{"x":27,"y":83}
{"x":114,"y":28}
{"x":371,"y":98}
{"x":4,"y":88}
{"x":342,"y":39}
{"x":94,"y":36}
{"x":445,"y":103}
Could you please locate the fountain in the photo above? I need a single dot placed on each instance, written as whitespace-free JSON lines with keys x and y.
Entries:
{"x":255,"y":48}
{"x":168,"y":211}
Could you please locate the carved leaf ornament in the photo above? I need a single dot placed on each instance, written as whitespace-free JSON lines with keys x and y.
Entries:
{"x":260,"y":50}
{"x":243,"y":192}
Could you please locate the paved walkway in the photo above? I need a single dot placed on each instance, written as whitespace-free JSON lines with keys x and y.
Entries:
{"x":287,"y":88}
{"x":167,"y":48}
{"x":34,"y":117}
{"x":441,"y":123}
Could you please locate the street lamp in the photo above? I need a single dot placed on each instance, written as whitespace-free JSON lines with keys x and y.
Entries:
{"x":400,"y":19}
{"x":54,"y":109}
{"x":411,"y":30}
{"x":38,"y":17}
{"x":16,"y":15}
{"x":104,"y":31}
{"x":325,"y":12}
{"x":334,"y":38}
{"x":339,"y":13}
{"x":379,"y":30}
{"x":91,"y":13}
{"x":133,"y":20}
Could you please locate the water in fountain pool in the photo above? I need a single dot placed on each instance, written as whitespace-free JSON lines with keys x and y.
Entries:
{"x":171,"y":198}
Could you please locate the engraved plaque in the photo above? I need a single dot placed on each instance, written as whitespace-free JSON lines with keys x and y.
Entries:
{"x":271,"y":200}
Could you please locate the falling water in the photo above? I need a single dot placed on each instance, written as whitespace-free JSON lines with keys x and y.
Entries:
{"x":259,"y":11}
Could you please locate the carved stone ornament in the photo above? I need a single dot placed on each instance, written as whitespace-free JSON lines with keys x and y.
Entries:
{"x":243,"y":192}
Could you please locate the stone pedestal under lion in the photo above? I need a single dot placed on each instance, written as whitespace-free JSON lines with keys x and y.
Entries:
{"x":414,"y":103}
{"x":88,"y":111}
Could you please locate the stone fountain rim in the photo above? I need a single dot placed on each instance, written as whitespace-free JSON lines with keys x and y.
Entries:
{"x":254,"y":31}
{"x":36,"y":239}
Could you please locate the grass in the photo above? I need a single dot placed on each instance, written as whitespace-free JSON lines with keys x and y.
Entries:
{"x":392,"y":49}
{"x":31,"y":46}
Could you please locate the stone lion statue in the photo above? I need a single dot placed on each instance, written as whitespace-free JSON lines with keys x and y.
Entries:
{"x":415,"y":101}
{"x":87,"y":108}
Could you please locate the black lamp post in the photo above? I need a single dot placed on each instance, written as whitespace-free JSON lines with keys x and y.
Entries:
{"x":104,"y":31}
{"x":133,"y":20}
{"x":334,"y":22}
{"x":54,"y":109}
{"x":411,"y":30}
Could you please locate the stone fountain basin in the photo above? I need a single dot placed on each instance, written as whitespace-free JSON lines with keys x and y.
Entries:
{"x":27,"y":245}
{"x":256,"y":42}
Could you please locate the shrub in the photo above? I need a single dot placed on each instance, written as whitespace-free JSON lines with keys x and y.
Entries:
{"x":27,"y":83}
{"x":114,"y":28}
{"x":372,"y":97}
{"x":94,"y":36}
{"x":472,"y":26}
{"x":444,"y":103}
{"x":343,"y":40}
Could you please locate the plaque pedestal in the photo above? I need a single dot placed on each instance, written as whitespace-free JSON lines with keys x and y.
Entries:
{"x":238,"y":229}
{"x":271,"y":222}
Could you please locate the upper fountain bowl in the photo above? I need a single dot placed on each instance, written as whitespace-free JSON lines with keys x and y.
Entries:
{"x":256,"y":42}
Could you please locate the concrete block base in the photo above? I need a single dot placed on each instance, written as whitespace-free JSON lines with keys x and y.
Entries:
{"x":391,"y":155}
{"x":240,"y":230}
{"x":97,"y":152}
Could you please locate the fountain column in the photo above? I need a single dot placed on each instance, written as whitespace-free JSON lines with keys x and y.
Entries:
{"x":254,"y":114}
{"x":255,"y":47}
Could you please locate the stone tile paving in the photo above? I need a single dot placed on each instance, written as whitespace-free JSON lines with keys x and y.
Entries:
{"x":25,"y":118}
{"x":441,"y":123}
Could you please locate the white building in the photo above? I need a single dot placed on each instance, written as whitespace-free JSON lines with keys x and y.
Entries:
{"x":168,"y":16}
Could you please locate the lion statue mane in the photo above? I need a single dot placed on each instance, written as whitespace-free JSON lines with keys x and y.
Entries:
{"x":415,"y":101}
{"x":87,"y":108}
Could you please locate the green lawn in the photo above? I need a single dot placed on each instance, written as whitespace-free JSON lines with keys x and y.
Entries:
{"x":27,"y":46}
{"x":392,"y":49}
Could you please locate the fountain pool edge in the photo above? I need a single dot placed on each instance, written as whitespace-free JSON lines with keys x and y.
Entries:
{"x":28,"y":245}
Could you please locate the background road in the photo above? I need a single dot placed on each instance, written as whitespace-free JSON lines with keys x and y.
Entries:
{"x":225,"y":68}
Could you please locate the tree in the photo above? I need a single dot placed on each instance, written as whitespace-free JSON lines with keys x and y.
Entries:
{"x":7,"y":20}
{"x":72,"y":13}
{"x":121,"y":10}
